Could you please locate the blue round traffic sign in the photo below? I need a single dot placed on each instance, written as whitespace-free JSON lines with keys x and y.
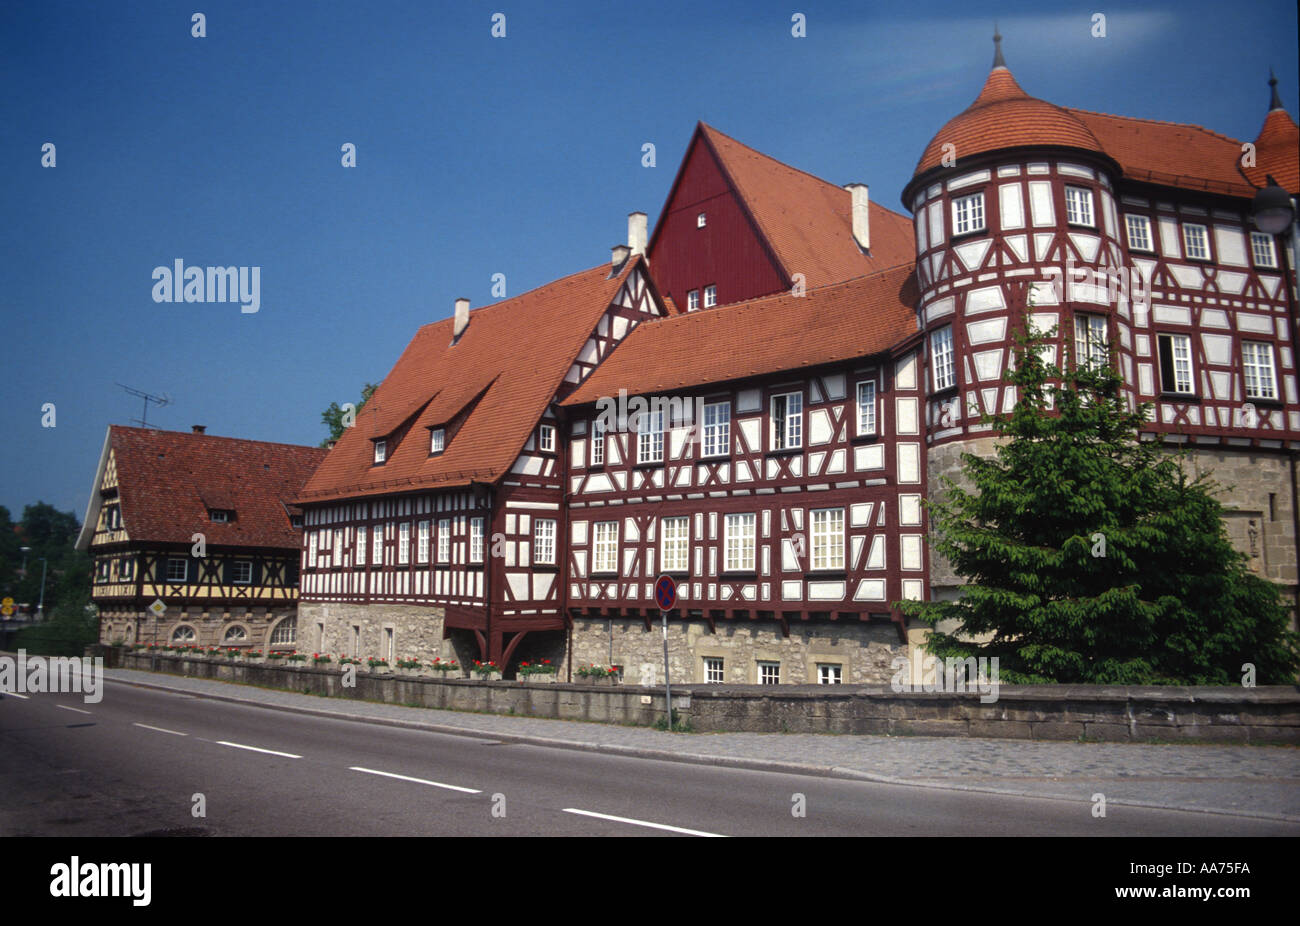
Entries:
{"x":666,"y":593}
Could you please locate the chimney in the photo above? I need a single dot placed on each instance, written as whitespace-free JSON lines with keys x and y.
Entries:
{"x":619,"y":254}
{"x":199,"y":428}
{"x":462,"y":320}
{"x":861,"y":212}
{"x":636,"y":232}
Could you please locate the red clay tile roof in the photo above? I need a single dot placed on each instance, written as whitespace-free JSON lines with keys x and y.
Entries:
{"x":167,"y":480}
{"x":1004,"y":116}
{"x":1277,"y":152}
{"x":1170,"y":153}
{"x":855,"y":318}
{"x":504,"y":370}
{"x":808,"y":222}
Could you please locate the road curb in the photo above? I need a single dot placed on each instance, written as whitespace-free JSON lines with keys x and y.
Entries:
{"x":686,"y":758}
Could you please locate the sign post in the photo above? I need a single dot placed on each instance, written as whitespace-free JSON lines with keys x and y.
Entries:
{"x":666,"y":598}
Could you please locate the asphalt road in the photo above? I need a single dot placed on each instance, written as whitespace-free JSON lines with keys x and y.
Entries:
{"x":135,"y":763}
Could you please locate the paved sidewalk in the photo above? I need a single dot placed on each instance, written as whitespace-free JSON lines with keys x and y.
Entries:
{"x":1258,"y":781}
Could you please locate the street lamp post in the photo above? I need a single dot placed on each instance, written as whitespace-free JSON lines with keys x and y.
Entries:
{"x":40,"y":605}
{"x":25,"y":551}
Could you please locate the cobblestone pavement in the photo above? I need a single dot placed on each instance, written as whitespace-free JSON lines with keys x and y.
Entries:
{"x":1248,"y":780}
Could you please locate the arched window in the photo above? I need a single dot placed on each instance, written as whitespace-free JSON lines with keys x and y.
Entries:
{"x":236,"y":634}
{"x":184,"y":634}
{"x":285,"y":633}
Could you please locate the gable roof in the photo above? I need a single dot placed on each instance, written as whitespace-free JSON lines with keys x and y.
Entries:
{"x":854,"y":318}
{"x":806,"y":221}
{"x":168,"y":480}
{"x":499,"y":377}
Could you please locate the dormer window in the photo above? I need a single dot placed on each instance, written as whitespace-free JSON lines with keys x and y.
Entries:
{"x":221,"y":515}
{"x":968,"y":214}
{"x":437,"y":440}
{"x":710,"y":296}
{"x":381,"y":451}
{"x":692,"y":300}
{"x":295,"y":520}
{"x":546,"y":438}
{"x":700,"y":220}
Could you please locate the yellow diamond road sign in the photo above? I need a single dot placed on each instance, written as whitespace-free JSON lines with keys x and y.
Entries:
{"x":158,"y":608}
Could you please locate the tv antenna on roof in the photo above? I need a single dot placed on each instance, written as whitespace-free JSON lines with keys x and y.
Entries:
{"x":159,"y":400}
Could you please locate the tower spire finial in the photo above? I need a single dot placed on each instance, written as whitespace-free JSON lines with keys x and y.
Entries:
{"x":998,"y":60}
{"x":1275,"y":100}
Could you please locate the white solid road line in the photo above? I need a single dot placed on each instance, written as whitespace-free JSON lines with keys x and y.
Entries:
{"x":656,"y":826}
{"x":66,"y":708}
{"x":158,"y":729}
{"x":14,"y":694}
{"x":419,"y":781}
{"x":269,"y":752}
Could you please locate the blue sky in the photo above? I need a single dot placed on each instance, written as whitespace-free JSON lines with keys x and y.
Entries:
{"x":475,"y":155}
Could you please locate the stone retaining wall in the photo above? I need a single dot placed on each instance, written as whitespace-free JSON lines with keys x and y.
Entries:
{"x":1269,"y":714}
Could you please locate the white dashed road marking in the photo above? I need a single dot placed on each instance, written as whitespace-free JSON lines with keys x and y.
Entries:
{"x":656,"y":826}
{"x":419,"y":781}
{"x":65,"y":707}
{"x":145,"y":726}
{"x":269,"y":752}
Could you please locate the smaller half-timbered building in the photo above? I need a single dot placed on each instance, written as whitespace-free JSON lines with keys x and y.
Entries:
{"x":205,"y":525}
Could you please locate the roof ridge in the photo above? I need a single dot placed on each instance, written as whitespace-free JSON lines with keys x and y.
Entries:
{"x":242,"y":440}
{"x":1184,"y":125}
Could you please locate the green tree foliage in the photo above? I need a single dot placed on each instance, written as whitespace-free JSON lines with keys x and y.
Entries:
{"x":1091,"y":556}
{"x":333,"y":417}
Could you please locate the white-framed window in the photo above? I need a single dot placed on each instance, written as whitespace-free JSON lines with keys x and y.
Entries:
{"x":219,"y":516}
{"x":381,"y":451}
{"x":422,"y":543}
{"x":311,"y":549}
{"x":713,"y":670}
{"x":675,"y":544}
{"x":597,"y":442}
{"x":544,"y":541}
{"x":1261,"y":248}
{"x":285,"y":632}
{"x":739,"y":542}
{"x":101,"y":570}
{"x":945,"y":369}
{"x":363,"y":533}
{"x":126,"y":568}
{"x":769,"y":673}
{"x":177,"y":568}
{"x":444,"y":540}
{"x":1175,"y":363}
{"x":1078,"y":206}
{"x":701,"y":220}
{"x":710,"y":296}
{"x":377,"y":547}
{"x":830,"y":673}
{"x":546,"y":438}
{"x":717,"y":429}
{"x":476,"y":540}
{"x":787,"y":421}
{"x":1139,"y":233}
{"x":650,"y":437}
{"x":184,"y":634}
{"x":692,"y":300}
{"x":1257,"y":363}
{"x":1196,"y":241}
{"x":338,"y":547}
{"x":605,"y":556}
{"x":968,"y":214}
{"x":437,"y":440}
{"x":235,"y":634}
{"x":1090,"y":340}
{"x":241,"y":572}
{"x":404,"y":543}
{"x":828,"y":538}
{"x":867,"y":407}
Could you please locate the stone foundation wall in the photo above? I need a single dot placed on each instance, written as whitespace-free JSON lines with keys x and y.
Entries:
{"x":863,"y":651}
{"x":360,"y":630}
{"x":1269,"y":714}
{"x":127,"y":624}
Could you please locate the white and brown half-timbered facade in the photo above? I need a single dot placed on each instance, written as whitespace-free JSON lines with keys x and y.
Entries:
{"x":204,"y":524}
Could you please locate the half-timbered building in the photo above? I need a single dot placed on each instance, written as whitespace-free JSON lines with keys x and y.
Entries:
{"x":203,"y":524}
{"x":757,"y":398}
